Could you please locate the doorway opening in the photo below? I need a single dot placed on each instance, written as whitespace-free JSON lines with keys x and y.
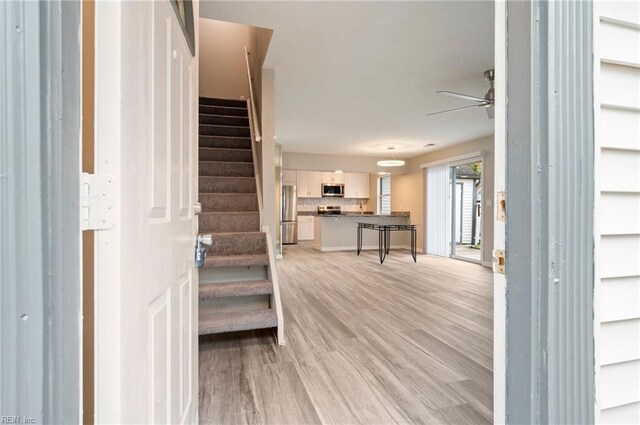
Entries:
{"x":466,"y":211}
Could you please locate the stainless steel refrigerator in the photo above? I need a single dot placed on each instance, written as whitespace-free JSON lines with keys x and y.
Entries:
{"x":289,"y":219}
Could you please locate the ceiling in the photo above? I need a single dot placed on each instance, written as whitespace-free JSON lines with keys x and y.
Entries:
{"x":355,"y":77}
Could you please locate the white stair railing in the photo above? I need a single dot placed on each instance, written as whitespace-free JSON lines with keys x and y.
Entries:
{"x":254,"y":126}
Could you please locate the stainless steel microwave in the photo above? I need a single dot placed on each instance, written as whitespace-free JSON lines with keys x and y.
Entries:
{"x":335,"y":190}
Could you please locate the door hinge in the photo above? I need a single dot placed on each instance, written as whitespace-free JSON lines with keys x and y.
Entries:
{"x":499,"y":261}
{"x":96,"y":201}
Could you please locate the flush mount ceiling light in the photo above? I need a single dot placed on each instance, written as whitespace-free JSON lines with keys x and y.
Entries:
{"x":391,"y":162}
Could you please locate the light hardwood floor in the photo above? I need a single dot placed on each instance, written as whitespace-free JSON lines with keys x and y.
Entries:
{"x":366,"y":344}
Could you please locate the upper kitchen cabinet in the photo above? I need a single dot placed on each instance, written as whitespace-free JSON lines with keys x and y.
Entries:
{"x":309,"y":184}
{"x":289,"y":176}
{"x":356,"y":185}
{"x":331,"y":177}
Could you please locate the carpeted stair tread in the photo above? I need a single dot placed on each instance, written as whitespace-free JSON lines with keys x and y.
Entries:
{"x":229,"y":202}
{"x":225,"y":154}
{"x":226,"y":169}
{"x":217,"y":184}
{"x":212,"y":261}
{"x":237,"y":243}
{"x":212,"y":101}
{"x":228,"y":120}
{"x":223,"y":130}
{"x":225,"y":142}
{"x":229,"y":222}
{"x":224,"y":110}
{"x":211,"y":322}
{"x":235,"y":289}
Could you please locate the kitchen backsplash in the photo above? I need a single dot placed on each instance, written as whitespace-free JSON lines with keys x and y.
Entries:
{"x":345,"y":204}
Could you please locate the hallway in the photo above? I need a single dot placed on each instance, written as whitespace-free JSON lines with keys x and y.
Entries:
{"x":366,"y":343}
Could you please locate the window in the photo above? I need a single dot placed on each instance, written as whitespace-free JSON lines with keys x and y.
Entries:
{"x":384,"y":194}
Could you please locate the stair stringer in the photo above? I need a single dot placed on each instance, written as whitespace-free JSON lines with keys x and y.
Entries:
{"x":274,"y":299}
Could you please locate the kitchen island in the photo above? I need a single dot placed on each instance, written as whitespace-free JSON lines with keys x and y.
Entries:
{"x":339,"y":232}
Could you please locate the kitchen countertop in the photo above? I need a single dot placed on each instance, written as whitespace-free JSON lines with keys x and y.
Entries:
{"x":355,"y":214}
{"x":339,"y":232}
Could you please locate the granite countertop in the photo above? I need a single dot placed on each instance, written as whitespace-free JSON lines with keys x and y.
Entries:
{"x":356,"y":214}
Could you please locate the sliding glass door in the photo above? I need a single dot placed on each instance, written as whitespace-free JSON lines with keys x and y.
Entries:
{"x":466,"y":211}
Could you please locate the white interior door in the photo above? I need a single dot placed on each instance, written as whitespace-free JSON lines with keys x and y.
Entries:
{"x":146,"y":285}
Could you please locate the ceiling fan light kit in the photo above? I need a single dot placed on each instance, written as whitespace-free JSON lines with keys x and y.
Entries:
{"x":391,"y":162}
{"x":487,"y":101}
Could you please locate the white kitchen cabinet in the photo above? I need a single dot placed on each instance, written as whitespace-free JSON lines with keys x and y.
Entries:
{"x":305,"y":228}
{"x":331,"y":177}
{"x":289,"y":176}
{"x":309,"y":184}
{"x":356,"y":185}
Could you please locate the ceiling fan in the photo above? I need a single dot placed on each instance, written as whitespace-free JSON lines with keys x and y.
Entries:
{"x":487,"y":101}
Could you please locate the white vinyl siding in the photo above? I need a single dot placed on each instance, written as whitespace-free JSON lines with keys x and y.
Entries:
{"x":384,"y":195}
{"x":467,"y":210}
{"x":617,"y":81}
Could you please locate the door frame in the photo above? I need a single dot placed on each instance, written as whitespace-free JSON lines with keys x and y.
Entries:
{"x":549,"y":152}
{"x":40,"y":321}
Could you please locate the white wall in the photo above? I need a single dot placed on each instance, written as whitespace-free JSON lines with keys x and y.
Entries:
{"x":268,"y":152}
{"x":223,"y":70}
{"x":324,"y":162}
{"x":617,"y":219}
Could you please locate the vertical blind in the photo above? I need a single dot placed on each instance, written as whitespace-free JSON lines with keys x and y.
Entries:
{"x":437,"y":219}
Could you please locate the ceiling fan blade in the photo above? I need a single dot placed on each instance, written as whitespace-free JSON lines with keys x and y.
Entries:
{"x":454,"y":109}
{"x":462,"y":96}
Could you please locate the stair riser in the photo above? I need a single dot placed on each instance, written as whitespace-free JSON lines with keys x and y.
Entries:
{"x":227,"y":185}
{"x":229,"y":222}
{"x":224,"y":142}
{"x":226,"y":274}
{"x":229,"y":203}
{"x":223,"y":102}
{"x":238,"y":244}
{"x":232,"y":322}
{"x":222,"y":110}
{"x":234,"y":289}
{"x":224,"y":120}
{"x":226,"y":169}
{"x":235,"y":262}
{"x":216,"y":130}
{"x":231,"y":155}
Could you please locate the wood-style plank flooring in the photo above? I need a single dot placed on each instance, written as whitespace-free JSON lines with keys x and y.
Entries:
{"x":366,"y":344}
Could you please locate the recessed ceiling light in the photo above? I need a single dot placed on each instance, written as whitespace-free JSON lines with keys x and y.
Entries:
{"x":338,"y":171}
{"x":383,"y":173}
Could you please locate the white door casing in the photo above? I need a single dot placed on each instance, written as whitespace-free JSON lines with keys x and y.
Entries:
{"x":146,"y":284}
{"x":499,"y":228}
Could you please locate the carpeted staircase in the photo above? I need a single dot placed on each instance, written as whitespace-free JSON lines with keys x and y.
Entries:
{"x":236,"y":290}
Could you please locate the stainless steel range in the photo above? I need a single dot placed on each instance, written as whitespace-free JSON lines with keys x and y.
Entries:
{"x":329,"y":210}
